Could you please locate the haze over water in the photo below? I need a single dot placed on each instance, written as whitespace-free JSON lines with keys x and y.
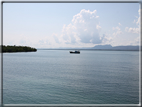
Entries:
{"x":58,"y":77}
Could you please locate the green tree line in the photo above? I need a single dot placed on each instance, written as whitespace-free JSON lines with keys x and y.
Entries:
{"x":17,"y":49}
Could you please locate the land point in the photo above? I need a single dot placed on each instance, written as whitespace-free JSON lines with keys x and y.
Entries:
{"x":15,"y":48}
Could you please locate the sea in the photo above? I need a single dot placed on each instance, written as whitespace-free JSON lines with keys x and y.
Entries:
{"x":58,"y":77}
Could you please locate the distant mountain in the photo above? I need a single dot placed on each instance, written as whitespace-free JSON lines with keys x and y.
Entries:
{"x":126,"y":47}
{"x":102,"y":47}
{"x":109,"y":47}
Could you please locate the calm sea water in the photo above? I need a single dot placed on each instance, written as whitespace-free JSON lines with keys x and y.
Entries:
{"x":58,"y":77}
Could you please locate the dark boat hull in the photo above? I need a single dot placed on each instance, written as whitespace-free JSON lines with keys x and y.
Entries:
{"x":75,"y":52}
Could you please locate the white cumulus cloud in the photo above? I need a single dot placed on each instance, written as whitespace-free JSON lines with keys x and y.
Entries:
{"x":119,"y":24}
{"x":137,"y":29}
{"x":117,"y":31}
{"x":84,"y":28}
{"x":138,"y":20}
{"x":132,"y":30}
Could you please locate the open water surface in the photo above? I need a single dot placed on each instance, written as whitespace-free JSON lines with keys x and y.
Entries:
{"x":58,"y":77}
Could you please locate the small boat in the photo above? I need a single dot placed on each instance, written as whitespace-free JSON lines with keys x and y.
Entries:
{"x":76,"y":52}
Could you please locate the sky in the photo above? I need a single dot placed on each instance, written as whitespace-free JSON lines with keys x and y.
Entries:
{"x":58,"y":25}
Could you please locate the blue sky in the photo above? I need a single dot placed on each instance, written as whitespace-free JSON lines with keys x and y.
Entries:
{"x":53,"y":25}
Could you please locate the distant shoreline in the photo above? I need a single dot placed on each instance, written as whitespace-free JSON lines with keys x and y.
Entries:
{"x":91,"y":49}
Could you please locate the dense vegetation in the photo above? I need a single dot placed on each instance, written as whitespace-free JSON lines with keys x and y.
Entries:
{"x":17,"y":49}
